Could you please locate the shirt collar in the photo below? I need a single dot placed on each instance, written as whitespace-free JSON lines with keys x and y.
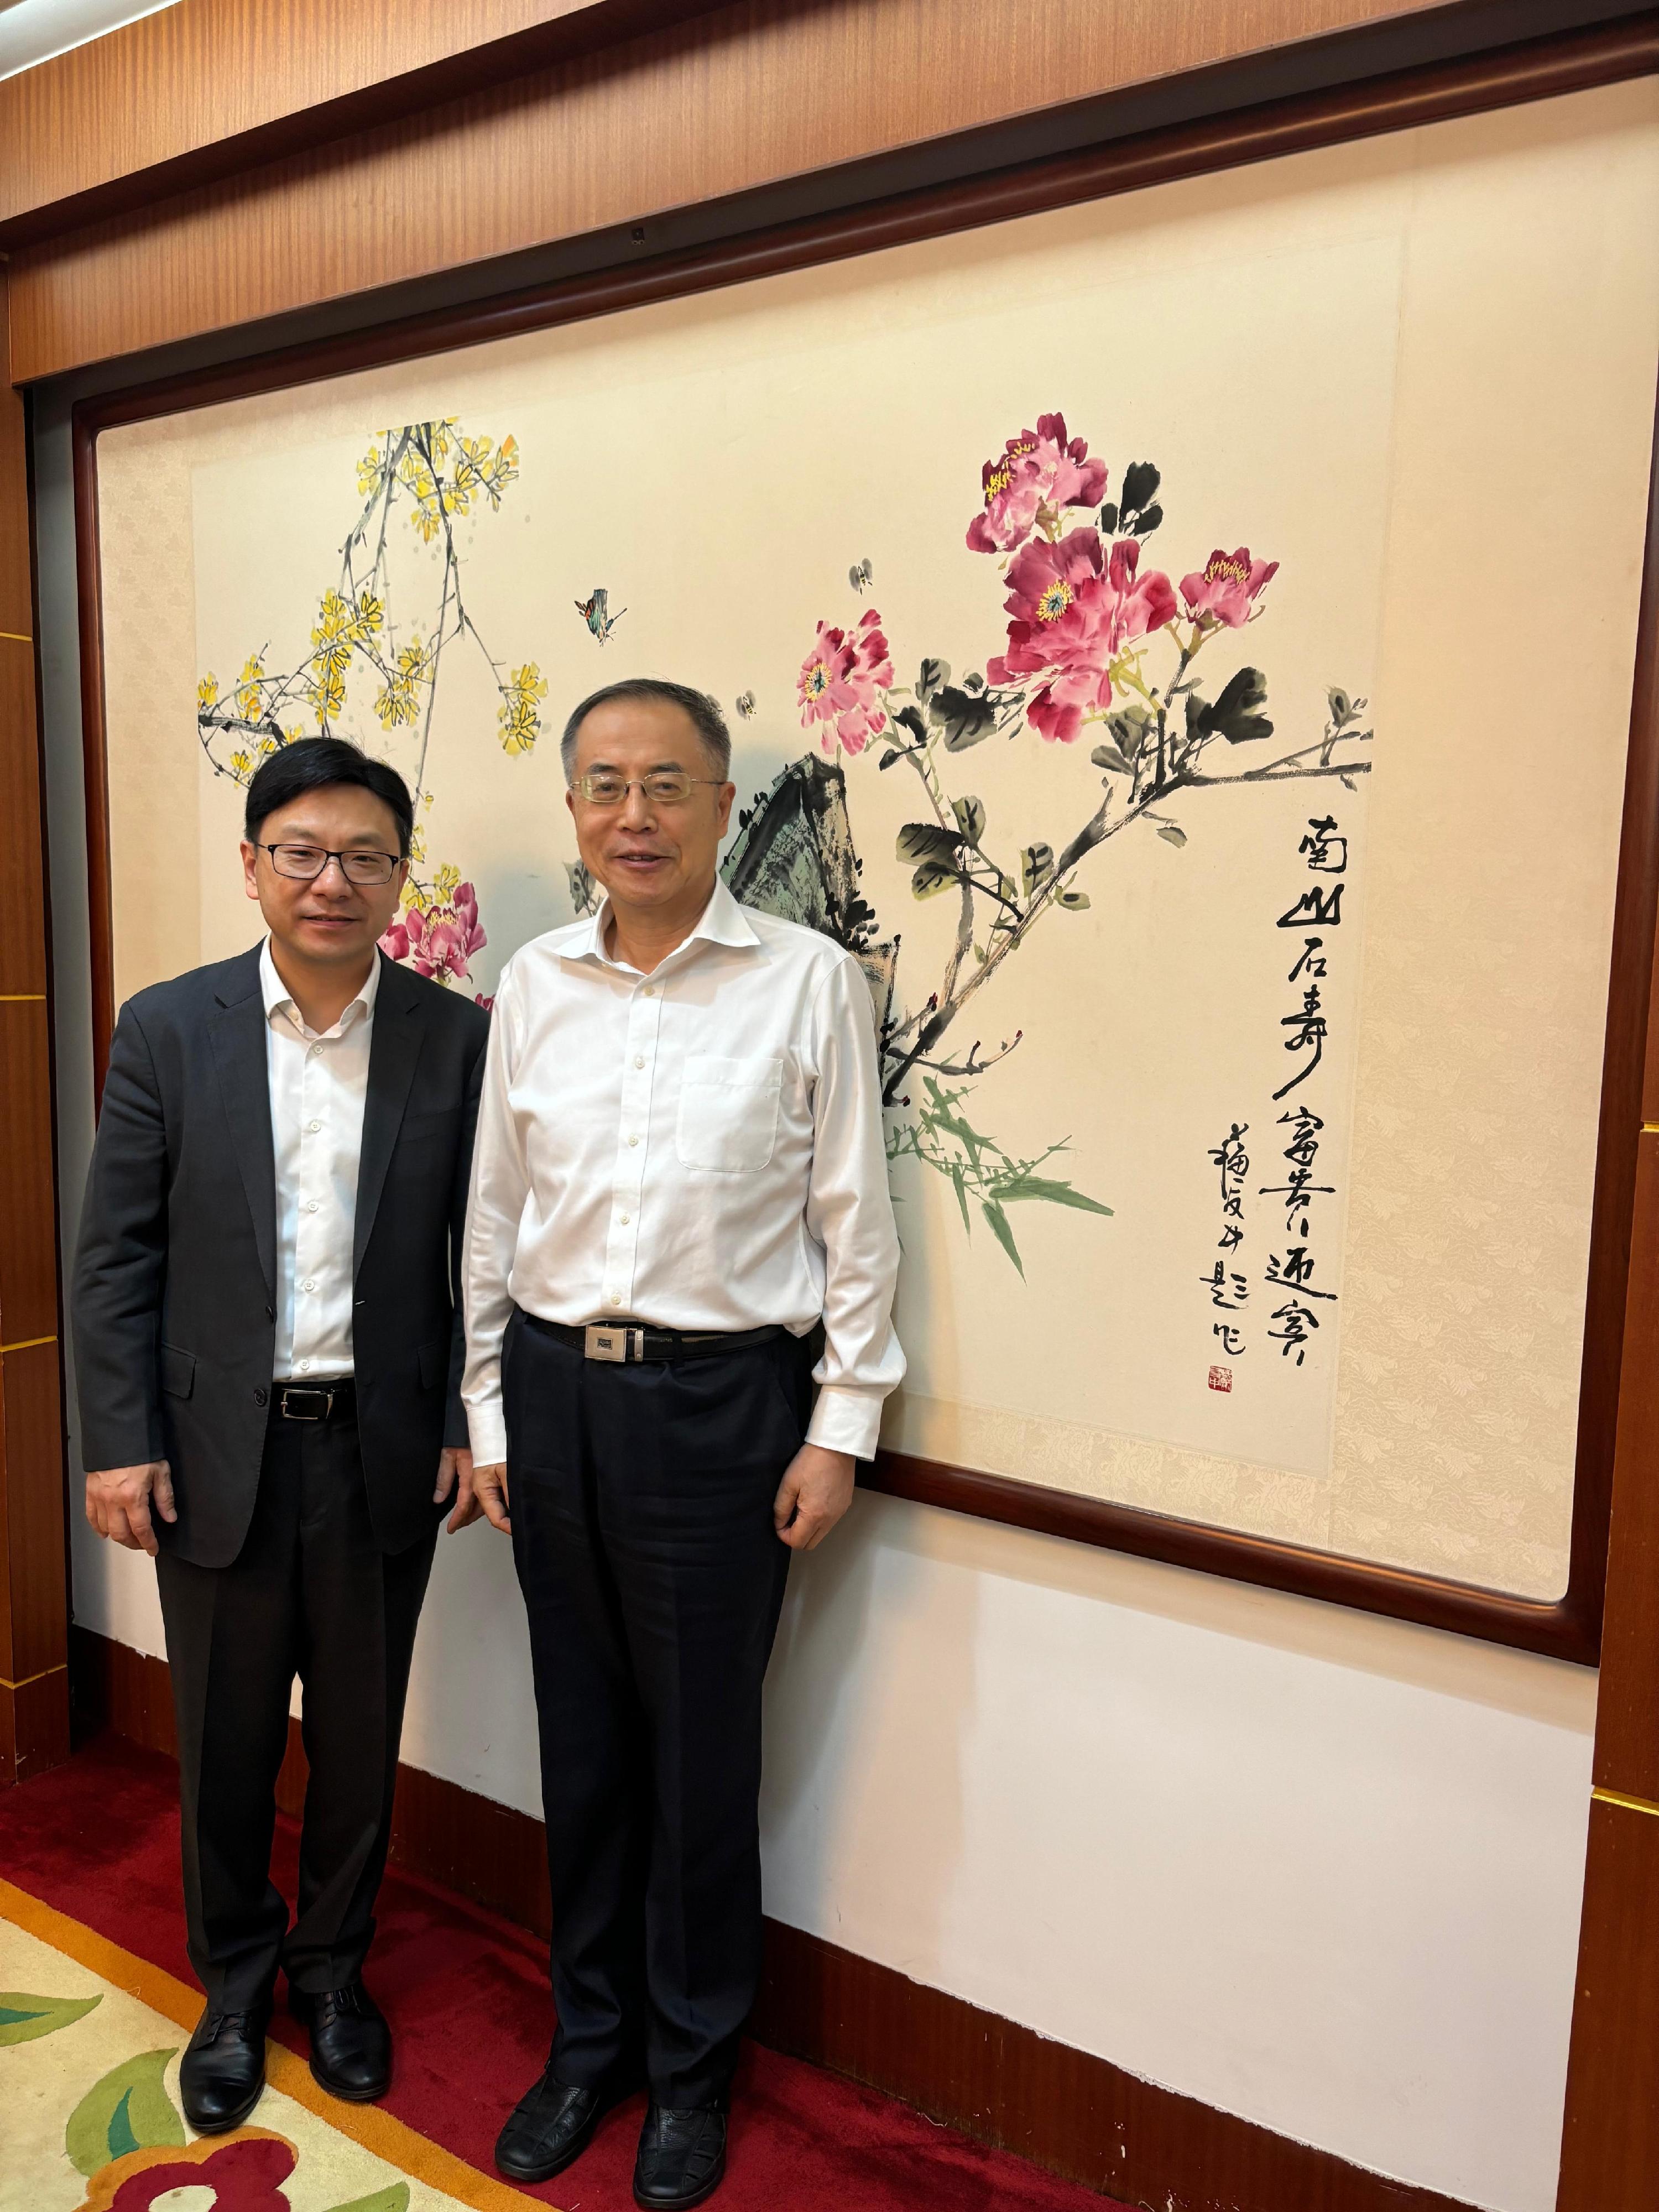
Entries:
{"x":279,"y":1001}
{"x":723,"y":921}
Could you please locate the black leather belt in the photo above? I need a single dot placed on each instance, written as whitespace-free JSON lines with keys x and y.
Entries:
{"x":632,"y":1340}
{"x":334,"y":1400}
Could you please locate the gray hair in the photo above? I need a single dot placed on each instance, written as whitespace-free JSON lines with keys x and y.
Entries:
{"x":702,"y":713}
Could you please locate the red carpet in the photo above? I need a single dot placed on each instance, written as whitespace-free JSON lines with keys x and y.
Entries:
{"x":467,"y":1997}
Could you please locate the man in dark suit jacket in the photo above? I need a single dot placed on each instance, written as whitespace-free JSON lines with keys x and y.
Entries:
{"x":269,"y":1352}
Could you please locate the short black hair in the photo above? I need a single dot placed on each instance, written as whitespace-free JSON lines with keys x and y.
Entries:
{"x":702,"y":712}
{"x":312,"y":765}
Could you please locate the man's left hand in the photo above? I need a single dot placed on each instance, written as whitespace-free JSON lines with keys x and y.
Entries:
{"x":456,"y":1462}
{"x":815,"y":1490}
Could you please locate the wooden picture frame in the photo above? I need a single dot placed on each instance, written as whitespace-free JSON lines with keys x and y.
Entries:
{"x":1567,"y":1628}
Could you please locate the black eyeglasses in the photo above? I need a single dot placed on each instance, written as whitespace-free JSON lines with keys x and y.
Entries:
{"x":307,"y":862}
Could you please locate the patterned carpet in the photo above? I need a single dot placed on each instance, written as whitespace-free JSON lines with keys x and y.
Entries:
{"x":102,"y":1999}
{"x":90,"y":2039}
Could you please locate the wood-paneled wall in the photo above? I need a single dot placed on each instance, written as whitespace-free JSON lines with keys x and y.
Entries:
{"x":34,"y":1682}
{"x":208,"y":87}
{"x":749,"y":95}
{"x":1610,"y":2147}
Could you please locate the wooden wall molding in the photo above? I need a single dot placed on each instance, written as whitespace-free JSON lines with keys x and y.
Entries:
{"x":755,"y":93}
{"x":1075,"y":2114}
{"x":1610,"y":2144}
{"x":33,"y":1594}
{"x":1568,"y":1628}
{"x":206,"y":87}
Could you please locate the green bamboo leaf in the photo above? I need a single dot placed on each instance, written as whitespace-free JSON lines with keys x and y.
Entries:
{"x":1004,"y":1235}
{"x":23,"y":2018}
{"x":962,"y":1196}
{"x":394,"y":2199}
{"x":127,"y":2110}
{"x":1054,"y":1192}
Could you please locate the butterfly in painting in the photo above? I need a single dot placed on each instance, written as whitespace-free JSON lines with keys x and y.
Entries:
{"x":593,"y":612}
{"x":859,"y":574}
{"x":745,"y":704}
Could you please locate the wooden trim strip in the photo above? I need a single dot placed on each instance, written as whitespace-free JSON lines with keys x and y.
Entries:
{"x":1629,"y":1804}
{"x":17,"y":636}
{"x":377,"y":2132}
{"x":1569,"y":1629}
{"x":21,"y":998}
{"x":1560,"y":1629}
{"x":45,"y":1673}
{"x":26,"y":1344}
{"x":1077,"y":2115}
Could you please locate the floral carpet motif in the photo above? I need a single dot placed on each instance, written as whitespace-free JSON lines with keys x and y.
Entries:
{"x":91,"y":2118}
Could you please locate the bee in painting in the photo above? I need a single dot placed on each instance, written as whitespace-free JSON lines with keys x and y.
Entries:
{"x":594,"y":611}
{"x":859,"y":574}
{"x":745,"y":704}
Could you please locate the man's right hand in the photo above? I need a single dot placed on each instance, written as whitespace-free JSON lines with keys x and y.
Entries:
{"x":488,"y":1490}
{"x":118,"y":1503}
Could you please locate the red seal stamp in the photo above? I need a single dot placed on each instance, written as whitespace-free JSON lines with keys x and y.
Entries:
{"x":1221,"y":1378}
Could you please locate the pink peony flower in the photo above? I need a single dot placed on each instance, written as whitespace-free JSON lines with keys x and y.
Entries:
{"x":439,"y":940}
{"x":1035,"y":470}
{"x":840,"y":679}
{"x":1226,"y":588}
{"x":1074,"y":608}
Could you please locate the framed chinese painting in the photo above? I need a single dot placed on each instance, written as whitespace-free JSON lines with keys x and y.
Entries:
{"x":1183,"y":640}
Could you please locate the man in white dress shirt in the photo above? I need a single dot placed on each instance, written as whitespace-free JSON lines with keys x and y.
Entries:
{"x":679,"y":1186}
{"x":268,"y":1356}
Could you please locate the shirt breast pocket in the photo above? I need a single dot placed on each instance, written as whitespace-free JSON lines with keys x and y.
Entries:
{"x":728,"y":1121}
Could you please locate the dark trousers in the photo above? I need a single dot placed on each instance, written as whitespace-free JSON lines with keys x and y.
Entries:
{"x":309,"y":1593}
{"x":641,"y":1502}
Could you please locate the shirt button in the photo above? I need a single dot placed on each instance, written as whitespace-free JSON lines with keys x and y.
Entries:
{"x":650,"y":991}
{"x":624,"y":1221}
{"x":311,"y":1205}
{"x":639,"y":1060}
{"x":633,"y":1140}
{"x":613,"y":1298}
{"x":313,"y":1126}
{"x":313,"y":1053}
{"x":307,"y":1285}
{"x":305,"y":1367}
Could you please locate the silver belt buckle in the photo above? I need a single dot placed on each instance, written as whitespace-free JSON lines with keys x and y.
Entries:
{"x":304,"y":1391}
{"x":604,"y":1342}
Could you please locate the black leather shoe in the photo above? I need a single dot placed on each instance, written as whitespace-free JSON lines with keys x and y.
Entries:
{"x":223,"y":2071}
{"x":350,"y":2042}
{"x":681,"y":2156}
{"x":552,"y":2125}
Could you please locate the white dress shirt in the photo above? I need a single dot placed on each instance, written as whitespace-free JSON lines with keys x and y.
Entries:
{"x":700,"y":1148}
{"x":318,"y":1086}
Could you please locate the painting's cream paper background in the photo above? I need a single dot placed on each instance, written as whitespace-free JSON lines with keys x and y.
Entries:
{"x":1420,"y":373}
